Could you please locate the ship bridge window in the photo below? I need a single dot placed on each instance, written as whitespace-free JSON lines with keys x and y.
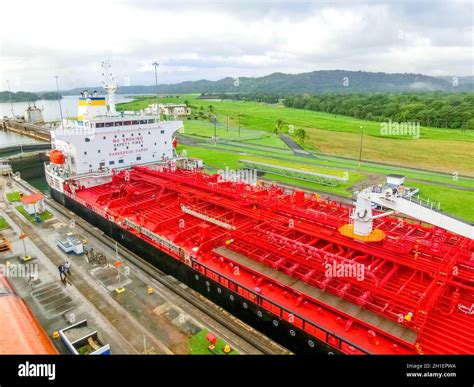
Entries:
{"x":118,"y":123}
{"x":87,"y":139}
{"x":99,"y":125}
{"x":142,"y":121}
{"x":127,"y":122}
{"x":111,"y":162}
{"x":135,"y":122}
{"x":121,"y":161}
{"x":138,"y":158}
{"x":109,"y":124}
{"x":162,"y":131}
{"x":151,"y":122}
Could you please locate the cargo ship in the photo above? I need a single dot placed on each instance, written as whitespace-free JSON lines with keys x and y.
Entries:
{"x":315,"y":275}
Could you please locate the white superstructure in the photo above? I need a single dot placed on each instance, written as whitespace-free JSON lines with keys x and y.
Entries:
{"x":102,"y":140}
{"x":34,"y":115}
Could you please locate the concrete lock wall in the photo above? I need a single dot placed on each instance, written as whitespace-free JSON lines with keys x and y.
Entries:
{"x":29,"y":167}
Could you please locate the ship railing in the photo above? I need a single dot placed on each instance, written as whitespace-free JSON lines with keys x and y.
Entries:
{"x":331,"y":338}
{"x":432,"y":205}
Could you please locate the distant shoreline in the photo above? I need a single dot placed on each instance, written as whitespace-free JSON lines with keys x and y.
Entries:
{"x":24,"y":96}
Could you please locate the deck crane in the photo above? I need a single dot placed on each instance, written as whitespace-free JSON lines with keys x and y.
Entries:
{"x":395,"y":200}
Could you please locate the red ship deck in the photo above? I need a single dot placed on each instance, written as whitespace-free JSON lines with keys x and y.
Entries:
{"x":276,"y":246}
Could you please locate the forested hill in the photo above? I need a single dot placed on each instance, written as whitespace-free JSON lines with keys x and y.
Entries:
{"x":325,"y":81}
{"x":24,"y":96}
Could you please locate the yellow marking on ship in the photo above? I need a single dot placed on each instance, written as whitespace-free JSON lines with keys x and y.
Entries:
{"x":92,"y":102}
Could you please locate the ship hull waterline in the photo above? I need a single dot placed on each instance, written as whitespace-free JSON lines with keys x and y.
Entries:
{"x":266,"y":322}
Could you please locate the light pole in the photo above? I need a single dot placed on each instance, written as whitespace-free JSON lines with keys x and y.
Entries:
{"x":156,"y":64}
{"x":59,"y":99}
{"x":361,"y":138}
{"x":11,"y":101}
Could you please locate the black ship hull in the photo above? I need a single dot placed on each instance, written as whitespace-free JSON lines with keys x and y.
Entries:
{"x":279,"y":330}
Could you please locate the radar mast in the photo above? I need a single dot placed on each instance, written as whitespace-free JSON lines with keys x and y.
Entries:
{"x":109,"y":84}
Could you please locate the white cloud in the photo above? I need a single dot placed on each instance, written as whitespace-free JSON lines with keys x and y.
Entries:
{"x":194,"y":40}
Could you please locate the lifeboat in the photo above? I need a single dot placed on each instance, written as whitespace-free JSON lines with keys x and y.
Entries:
{"x":20,"y":331}
{"x":56,"y":157}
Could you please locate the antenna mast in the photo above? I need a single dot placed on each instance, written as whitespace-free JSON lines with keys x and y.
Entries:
{"x":156,"y":64}
{"x":109,"y":84}
{"x":59,"y":100}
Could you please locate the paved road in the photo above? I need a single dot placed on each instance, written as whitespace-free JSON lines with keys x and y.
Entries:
{"x":295,"y":147}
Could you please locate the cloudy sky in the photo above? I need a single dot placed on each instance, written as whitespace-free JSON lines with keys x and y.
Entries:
{"x":212,"y":39}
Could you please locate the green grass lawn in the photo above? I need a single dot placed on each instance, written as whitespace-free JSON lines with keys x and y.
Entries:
{"x":448,"y":150}
{"x":198,"y":345}
{"x":453,"y":201}
{"x":221,"y":159}
{"x":213,"y":158}
{"x":204,"y":128}
{"x":13,"y":197}
{"x":3,"y":224}
{"x":251,"y":147}
{"x":44,"y":216}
